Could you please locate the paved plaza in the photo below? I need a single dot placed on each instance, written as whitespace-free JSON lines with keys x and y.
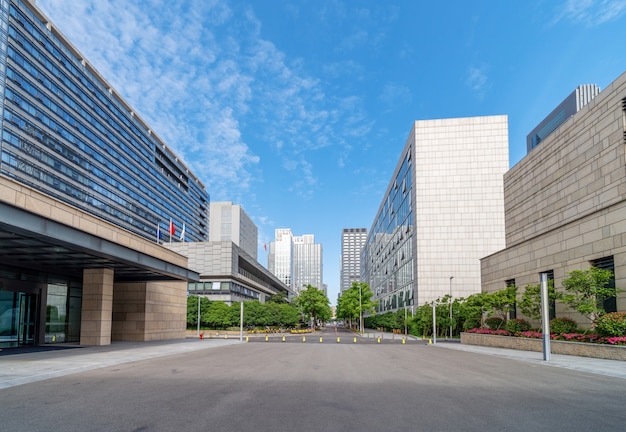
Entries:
{"x":224,"y":385}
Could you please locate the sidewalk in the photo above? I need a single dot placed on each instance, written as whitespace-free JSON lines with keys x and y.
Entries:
{"x":613,"y":368}
{"x":23,"y":368}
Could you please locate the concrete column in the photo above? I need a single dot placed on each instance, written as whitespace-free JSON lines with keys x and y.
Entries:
{"x":97,"y":309}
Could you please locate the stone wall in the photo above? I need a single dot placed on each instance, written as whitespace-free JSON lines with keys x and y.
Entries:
{"x":610,"y":352}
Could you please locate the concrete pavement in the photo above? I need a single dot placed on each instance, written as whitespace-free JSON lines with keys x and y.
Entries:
{"x":31,"y":366}
{"x":55,"y":361}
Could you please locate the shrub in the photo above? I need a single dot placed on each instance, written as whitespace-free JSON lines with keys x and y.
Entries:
{"x":612,"y":324}
{"x":489,"y":332}
{"x":494,"y":323}
{"x":517,"y":325}
{"x":563,"y":325}
{"x":471,"y":324}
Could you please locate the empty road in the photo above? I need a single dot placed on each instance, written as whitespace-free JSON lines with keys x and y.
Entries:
{"x":313,"y":387}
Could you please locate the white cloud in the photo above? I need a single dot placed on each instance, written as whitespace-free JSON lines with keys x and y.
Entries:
{"x":591,"y":13}
{"x":477,"y":80}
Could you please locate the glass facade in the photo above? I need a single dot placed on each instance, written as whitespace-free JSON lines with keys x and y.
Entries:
{"x":388,"y":260}
{"x":66,"y":133}
{"x":23,"y":296}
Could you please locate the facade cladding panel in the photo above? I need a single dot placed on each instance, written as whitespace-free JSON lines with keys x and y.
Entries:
{"x":443,"y":210}
{"x":66,"y":133}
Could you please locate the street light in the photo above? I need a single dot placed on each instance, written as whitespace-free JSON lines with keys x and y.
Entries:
{"x":360,"y":310}
{"x":451,"y":277}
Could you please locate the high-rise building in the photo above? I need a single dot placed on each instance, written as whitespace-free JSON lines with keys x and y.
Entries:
{"x":229,"y":222}
{"x":87,"y":188}
{"x":352,"y":242}
{"x":296,"y":260}
{"x":573,"y":103}
{"x":443,"y":210}
{"x":307,"y":262}
{"x":280,"y":256}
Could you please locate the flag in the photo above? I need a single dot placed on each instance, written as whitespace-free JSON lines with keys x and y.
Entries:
{"x":265,"y":246}
{"x":172,"y":230}
{"x":182,"y":233}
{"x":158,"y":234}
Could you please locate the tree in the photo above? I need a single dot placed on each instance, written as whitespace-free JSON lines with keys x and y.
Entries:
{"x":530,"y":304}
{"x":280,"y":297}
{"x":355,"y":300}
{"x":192,"y":310}
{"x":586,"y":290}
{"x":314,"y":304}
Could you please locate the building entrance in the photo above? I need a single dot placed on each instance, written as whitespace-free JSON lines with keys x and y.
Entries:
{"x":18,"y":317}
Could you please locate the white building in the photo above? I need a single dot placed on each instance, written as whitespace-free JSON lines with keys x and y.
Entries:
{"x":442,"y":212}
{"x":352,"y":242}
{"x":229,"y":222}
{"x":296,"y":260}
{"x":307,"y":263}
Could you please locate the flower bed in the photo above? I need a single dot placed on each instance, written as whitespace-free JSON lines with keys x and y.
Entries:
{"x":533,"y":341}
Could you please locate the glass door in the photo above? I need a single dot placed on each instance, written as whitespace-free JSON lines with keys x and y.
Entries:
{"x":27,"y":319}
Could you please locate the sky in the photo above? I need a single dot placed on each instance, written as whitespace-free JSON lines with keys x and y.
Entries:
{"x":298,"y":110}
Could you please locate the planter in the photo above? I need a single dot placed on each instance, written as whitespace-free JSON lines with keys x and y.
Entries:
{"x":609,"y":352}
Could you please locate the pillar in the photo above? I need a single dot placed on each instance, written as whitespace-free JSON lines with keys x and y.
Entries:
{"x":97,"y":309}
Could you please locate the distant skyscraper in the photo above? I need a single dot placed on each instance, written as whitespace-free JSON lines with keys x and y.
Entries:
{"x":280,"y":257}
{"x":296,"y":260}
{"x":352,"y":242}
{"x":570,"y":106}
{"x":229,"y":222}
{"x":307,"y":262}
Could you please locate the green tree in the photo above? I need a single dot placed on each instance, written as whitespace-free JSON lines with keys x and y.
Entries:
{"x":355,"y":300}
{"x":530,"y":303}
{"x":314,"y":304}
{"x":192,"y":310}
{"x":585,"y":290}
{"x":217,"y":315}
{"x":280,"y":297}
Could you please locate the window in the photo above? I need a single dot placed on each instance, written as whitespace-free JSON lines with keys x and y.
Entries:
{"x":513,"y":311}
{"x":608,"y":304}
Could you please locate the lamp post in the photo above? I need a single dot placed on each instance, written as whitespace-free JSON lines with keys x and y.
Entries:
{"x":451,"y":277}
{"x":360,"y":310}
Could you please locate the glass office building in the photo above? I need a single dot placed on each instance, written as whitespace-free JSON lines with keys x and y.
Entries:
{"x":442,"y":212}
{"x":67,"y":134}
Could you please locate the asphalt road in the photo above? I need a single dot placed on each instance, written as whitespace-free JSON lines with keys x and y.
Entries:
{"x":319,"y":387}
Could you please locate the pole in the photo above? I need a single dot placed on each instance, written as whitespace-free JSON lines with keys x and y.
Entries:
{"x":451,"y":277}
{"x":405,"y":333}
{"x":241,"y":322}
{"x":545,"y":316}
{"x":199,"y":315}
{"x":360,"y":310}
{"x":434,"y":324}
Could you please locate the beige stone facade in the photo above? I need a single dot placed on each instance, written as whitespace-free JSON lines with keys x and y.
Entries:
{"x":154,"y":308}
{"x":565,"y":202}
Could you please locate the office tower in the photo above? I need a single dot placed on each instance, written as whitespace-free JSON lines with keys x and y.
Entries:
{"x":573,"y":103}
{"x":352,"y":241}
{"x":443,"y":210}
{"x":307,"y":263}
{"x":296,"y":260}
{"x":88,"y":190}
{"x":229,"y":222}
{"x":280,"y":257}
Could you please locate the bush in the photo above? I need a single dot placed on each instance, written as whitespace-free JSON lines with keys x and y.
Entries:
{"x":517,"y":325}
{"x":563,"y":325}
{"x":471,"y":324}
{"x":612,"y":324}
{"x":494,"y":323}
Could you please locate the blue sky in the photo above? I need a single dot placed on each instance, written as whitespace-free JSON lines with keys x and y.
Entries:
{"x":298,"y":110}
